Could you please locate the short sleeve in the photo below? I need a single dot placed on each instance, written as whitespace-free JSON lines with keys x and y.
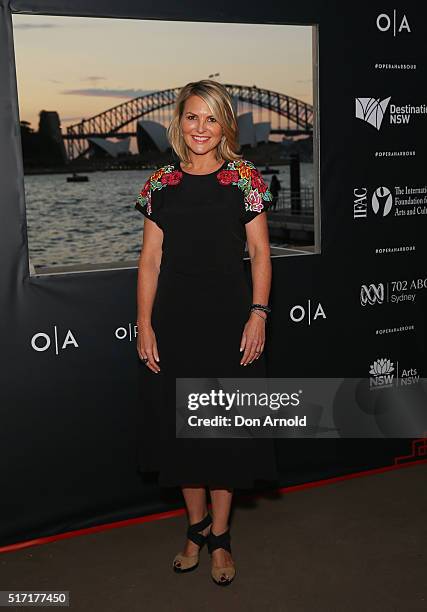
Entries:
{"x":258,"y":197}
{"x":147,"y":202}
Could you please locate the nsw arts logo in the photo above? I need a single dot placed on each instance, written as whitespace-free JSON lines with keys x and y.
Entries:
{"x":384,"y":373}
{"x":397,"y":201}
{"x":373,"y":111}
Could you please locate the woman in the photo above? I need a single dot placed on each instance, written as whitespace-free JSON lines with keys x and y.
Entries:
{"x":196,"y":317}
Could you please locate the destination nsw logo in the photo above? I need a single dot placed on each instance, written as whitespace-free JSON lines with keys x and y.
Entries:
{"x":373,"y":110}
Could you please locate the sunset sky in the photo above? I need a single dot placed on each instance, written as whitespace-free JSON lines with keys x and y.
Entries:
{"x":82,"y":66}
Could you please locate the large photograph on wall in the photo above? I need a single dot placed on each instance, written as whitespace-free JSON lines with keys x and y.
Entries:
{"x":94,"y":115}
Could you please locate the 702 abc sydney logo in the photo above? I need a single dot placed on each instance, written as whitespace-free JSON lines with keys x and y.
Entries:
{"x":392,"y":292}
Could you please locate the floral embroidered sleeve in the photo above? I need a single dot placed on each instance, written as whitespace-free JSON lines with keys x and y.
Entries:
{"x":148,"y":201}
{"x":257,"y":196}
{"x":145,"y":202}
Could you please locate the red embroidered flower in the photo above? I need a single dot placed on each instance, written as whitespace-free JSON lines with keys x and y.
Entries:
{"x":257,"y":181}
{"x":225,"y":177}
{"x":171,"y":178}
{"x":175,"y":177}
{"x":146,"y":188}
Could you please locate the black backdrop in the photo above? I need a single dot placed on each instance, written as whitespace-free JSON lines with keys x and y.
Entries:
{"x":69,"y":417}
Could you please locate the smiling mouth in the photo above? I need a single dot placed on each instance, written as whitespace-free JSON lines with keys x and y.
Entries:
{"x":200,"y":138}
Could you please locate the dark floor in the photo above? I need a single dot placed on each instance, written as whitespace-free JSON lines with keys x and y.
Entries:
{"x":358,"y":545}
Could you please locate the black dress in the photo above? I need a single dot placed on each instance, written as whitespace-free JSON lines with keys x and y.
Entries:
{"x":200,"y":308}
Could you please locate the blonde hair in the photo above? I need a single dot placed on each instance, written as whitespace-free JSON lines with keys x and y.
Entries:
{"x":219,"y":102}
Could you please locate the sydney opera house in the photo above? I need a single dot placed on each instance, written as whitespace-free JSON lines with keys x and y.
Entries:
{"x":151,"y":136}
{"x":102,"y":147}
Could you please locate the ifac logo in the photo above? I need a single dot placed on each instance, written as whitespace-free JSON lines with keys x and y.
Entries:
{"x":381,"y":202}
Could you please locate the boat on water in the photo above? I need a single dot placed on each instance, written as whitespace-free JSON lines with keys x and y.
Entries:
{"x":77,"y":178}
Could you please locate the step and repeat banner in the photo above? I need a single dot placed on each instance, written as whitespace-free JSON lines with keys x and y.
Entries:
{"x":353,"y":311}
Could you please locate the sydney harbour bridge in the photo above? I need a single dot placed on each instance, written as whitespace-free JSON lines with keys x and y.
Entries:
{"x":120,"y":121}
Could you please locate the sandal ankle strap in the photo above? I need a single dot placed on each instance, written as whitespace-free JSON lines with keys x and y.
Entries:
{"x":192,"y":531}
{"x":219,"y":541}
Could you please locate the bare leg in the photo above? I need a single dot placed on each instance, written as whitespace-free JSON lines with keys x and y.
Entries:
{"x":221,"y":504}
{"x":195,"y":500}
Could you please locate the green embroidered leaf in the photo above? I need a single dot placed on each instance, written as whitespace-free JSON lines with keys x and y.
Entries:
{"x":156,"y":184}
{"x":267,"y":195}
{"x":141,"y":200}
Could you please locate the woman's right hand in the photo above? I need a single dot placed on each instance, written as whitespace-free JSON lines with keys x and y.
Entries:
{"x":147,"y":346}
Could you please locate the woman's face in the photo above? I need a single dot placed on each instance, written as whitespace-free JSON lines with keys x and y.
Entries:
{"x":201,"y":131}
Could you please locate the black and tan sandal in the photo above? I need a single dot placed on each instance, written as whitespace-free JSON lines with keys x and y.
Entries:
{"x":186,"y":563}
{"x":223,"y":576}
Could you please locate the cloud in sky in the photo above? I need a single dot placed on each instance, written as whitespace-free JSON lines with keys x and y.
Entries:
{"x":80,"y":75}
{"x":108,"y":93}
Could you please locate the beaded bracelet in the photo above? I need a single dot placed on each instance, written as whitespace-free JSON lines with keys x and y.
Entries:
{"x":263,"y":307}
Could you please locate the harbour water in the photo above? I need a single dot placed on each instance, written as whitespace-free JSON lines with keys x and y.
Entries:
{"x":94,"y":222}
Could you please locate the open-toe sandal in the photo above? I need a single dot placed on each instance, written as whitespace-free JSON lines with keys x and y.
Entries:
{"x":223,"y":576}
{"x":186,"y":563}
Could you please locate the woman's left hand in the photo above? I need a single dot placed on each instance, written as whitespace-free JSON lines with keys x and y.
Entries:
{"x":253,"y":338}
